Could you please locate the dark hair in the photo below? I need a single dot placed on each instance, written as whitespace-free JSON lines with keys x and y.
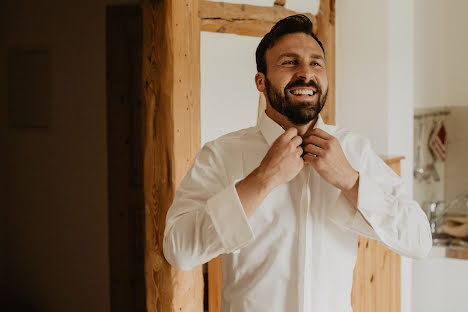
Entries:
{"x":292,"y":24}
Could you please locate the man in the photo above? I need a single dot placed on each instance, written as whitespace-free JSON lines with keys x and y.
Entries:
{"x":284,"y":202}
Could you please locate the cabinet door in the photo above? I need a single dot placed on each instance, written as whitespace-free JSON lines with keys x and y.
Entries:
{"x":376,"y":284}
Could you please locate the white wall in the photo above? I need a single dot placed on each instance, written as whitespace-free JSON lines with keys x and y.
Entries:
{"x":374,"y":84}
{"x":400,"y":108}
{"x":440,"y":284}
{"x":361,"y":69}
{"x":229,"y":97}
{"x":430,"y":53}
{"x":456,"y":45}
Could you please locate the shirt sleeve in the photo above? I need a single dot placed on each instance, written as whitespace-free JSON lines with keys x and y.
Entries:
{"x":206,"y":217}
{"x":395,"y":219}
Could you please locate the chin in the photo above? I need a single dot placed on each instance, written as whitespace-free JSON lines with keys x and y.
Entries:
{"x":312,"y":104}
{"x":301,"y":119}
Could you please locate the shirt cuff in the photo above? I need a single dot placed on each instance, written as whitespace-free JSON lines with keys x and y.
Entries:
{"x":373,"y":200}
{"x":229,"y":219}
{"x":344,"y":214}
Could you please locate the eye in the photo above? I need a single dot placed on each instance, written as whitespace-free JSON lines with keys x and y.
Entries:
{"x":316,"y":64}
{"x":290,"y":62}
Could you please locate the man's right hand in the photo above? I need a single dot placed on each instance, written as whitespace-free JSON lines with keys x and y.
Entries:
{"x":280,"y":165}
{"x":283,"y":160}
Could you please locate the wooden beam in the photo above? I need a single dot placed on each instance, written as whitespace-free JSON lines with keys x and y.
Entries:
{"x":171,"y":140}
{"x":456,"y":253}
{"x":280,"y":2}
{"x":242,"y":19}
{"x":326,"y":34}
{"x":215,"y":281}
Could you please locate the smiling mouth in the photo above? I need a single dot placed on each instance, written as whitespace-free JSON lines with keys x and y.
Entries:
{"x":298,"y":92}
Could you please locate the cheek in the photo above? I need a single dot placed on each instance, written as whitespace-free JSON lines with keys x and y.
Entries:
{"x":279,"y":85}
{"x":280,"y":78}
{"x":324,"y":81}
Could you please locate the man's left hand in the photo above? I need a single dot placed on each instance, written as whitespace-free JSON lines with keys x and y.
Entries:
{"x":323,"y":152}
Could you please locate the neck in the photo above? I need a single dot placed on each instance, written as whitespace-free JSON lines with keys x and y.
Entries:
{"x":286,"y":124}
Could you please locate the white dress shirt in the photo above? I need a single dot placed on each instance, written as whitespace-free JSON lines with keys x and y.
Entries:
{"x":298,"y":250}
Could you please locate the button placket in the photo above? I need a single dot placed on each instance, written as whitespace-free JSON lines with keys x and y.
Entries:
{"x":304,"y":241}
{"x":307,"y":241}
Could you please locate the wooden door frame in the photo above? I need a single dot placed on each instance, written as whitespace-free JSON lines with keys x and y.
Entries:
{"x":171,"y":118}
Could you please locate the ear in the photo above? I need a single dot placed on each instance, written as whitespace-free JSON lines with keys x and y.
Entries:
{"x":260,"y":82}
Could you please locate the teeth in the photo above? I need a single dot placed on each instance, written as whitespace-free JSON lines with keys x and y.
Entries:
{"x":302,"y":91}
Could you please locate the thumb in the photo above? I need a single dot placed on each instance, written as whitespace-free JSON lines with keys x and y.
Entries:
{"x":289,"y":134}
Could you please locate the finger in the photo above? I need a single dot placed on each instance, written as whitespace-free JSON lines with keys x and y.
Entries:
{"x":299,"y":151}
{"x":302,"y":162}
{"x":313,"y":139}
{"x":296,"y":141}
{"x":320,"y":133}
{"x":313,"y":149}
{"x":289,"y":134}
{"x":309,"y":159}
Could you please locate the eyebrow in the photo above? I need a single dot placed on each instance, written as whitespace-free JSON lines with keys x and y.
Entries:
{"x":289,"y":54}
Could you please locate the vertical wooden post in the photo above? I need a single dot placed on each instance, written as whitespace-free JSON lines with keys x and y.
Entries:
{"x":326,"y":34}
{"x":171,"y":139}
{"x":376,"y":282}
{"x":215,"y":284}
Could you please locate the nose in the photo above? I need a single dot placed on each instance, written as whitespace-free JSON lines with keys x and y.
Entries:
{"x":306,"y":73}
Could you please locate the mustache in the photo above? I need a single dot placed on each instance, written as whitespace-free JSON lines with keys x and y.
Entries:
{"x":302,"y":83}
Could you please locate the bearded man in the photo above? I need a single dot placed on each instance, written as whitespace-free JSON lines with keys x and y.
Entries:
{"x":284,"y":202}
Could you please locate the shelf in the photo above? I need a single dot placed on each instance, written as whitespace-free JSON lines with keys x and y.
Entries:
{"x":456,"y":253}
{"x":460,"y":253}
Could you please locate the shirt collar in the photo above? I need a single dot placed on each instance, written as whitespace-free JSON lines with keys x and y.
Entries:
{"x":271,"y":130}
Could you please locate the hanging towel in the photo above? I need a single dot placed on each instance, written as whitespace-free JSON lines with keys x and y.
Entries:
{"x":438,"y":141}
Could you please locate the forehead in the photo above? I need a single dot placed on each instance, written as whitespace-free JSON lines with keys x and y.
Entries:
{"x":297,"y":43}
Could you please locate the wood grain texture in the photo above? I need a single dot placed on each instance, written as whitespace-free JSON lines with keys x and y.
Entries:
{"x":376,"y":282}
{"x":280,"y":2}
{"x":242,"y":19}
{"x":456,"y":253}
{"x":215,"y":280}
{"x":326,"y":34}
{"x":171,"y":139}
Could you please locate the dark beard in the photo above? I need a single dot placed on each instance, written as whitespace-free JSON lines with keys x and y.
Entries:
{"x":297,"y":113}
